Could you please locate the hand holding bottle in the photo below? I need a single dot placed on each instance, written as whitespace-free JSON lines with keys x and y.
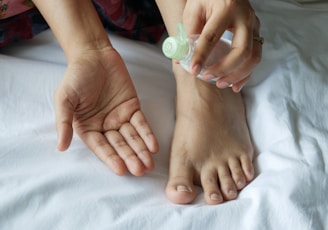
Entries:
{"x":181,"y":47}
{"x":210,"y":18}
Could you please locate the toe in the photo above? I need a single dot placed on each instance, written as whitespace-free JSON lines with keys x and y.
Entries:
{"x":209,"y":181}
{"x":237,"y":173}
{"x":228,"y":187}
{"x":247,"y":167}
{"x":180,"y":188}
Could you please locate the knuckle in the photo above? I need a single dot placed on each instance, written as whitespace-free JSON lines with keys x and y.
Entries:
{"x":225,"y":176}
{"x":134,"y":138}
{"x":257,"y":22}
{"x":230,"y":3}
{"x":245,"y":149}
{"x":143,"y":152}
{"x":245,"y":51}
{"x":211,"y":37}
{"x":238,"y":172}
{"x":256,"y":57}
{"x":110,"y":158}
{"x":251,"y":15}
{"x":119,"y":143}
{"x":199,"y":57}
{"x":209,"y":180}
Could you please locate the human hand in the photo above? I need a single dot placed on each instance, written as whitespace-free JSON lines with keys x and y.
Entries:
{"x":210,"y":18}
{"x":97,"y":98}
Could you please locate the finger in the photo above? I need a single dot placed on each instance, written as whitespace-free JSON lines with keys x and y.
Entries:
{"x":241,"y":48}
{"x":126,"y":153}
{"x":193,"y":18}
{"x":240,"y":77}
{"x":237,"y":87}
{"x":98,"y":143}
{"x":137,"y":144}
{"x":64,"y":111}
{"x":138,"y":120}
{"x":121,"y":114}
{"x":210,"y":35}
{"x":247,"y":67}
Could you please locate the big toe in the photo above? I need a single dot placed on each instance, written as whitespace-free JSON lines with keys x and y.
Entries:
{"x":180,"y":191}
{"x":180,"y":188}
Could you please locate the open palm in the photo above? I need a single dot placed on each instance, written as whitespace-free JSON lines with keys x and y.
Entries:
{"x":97,"y":98}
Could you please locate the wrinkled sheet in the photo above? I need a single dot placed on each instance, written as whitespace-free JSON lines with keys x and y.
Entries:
{"x":287,"y":106}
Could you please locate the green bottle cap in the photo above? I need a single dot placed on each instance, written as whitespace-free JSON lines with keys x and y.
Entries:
{"x":176,"y":47}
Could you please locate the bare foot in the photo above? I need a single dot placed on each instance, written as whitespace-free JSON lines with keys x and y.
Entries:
{"x":211,"y":144}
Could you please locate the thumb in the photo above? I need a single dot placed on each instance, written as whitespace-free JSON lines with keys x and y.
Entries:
{"x":64,"y":111}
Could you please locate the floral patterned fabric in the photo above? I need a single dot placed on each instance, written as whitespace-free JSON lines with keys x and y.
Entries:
{"x":135,"y":19}
{"x":14,"y":7}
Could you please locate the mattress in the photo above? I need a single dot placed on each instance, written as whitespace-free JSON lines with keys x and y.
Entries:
{"x":286,"y":104}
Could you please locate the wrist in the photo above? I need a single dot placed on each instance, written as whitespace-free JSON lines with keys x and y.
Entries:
{"x":75,"y":24}
{"x":85,"y":47}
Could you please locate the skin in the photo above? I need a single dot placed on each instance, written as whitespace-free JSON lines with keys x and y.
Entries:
{"x":210,"y":18}
{"x":96,"y":99}
{"x":211,"y":146}
{"x":96,"y":96}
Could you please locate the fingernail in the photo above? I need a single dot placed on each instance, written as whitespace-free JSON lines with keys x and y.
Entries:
{"x":208,"y":77}
{"x":216,"y":197}
{"x":196,"y":68}
{"x":223,"y":84}
{"x":183,"y":188}
{"x":239,"y":89}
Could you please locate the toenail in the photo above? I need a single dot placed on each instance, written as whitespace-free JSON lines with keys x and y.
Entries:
{"x":183,"y":188}
{"x":216,"y":197}
{"x":232,"y":193}
{"x":240,"y":184}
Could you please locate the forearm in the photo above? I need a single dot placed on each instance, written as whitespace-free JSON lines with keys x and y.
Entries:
{"x":171,"y":11}
{"x":75,"y":24}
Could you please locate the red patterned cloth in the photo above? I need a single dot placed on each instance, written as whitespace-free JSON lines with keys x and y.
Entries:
{"x":135,"y":19}
{"x":14,"y":7}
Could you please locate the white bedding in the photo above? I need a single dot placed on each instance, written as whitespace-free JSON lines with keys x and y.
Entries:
{"x":287,"y":107}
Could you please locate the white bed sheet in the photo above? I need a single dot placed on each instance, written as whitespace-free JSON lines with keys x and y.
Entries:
{"x":287,"y":107}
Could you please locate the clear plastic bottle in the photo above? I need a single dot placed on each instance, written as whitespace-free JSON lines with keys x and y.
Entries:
{"x":181,"y":47}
